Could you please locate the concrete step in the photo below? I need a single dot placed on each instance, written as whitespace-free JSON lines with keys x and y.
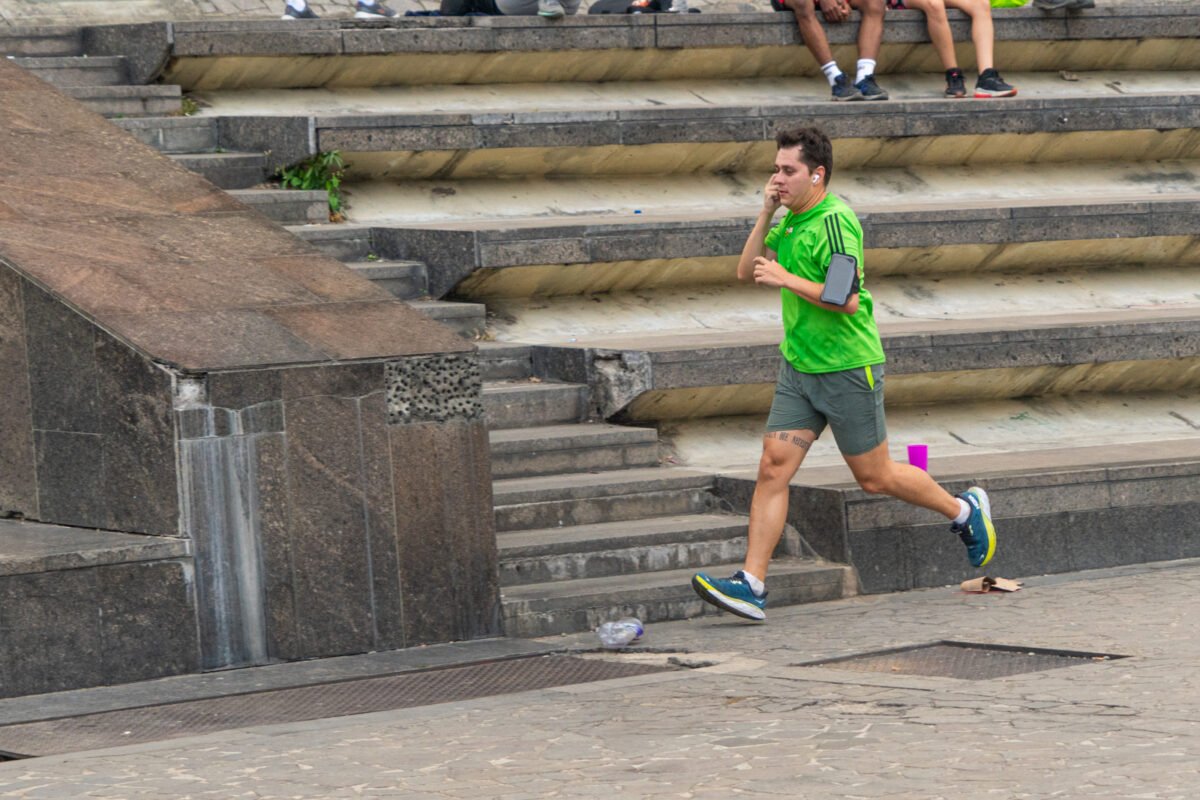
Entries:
{"x":689,"y":541}
{"x":226,"y":170}
{"x":404,"y":279}
{"x":103,"y":607}
{"x":933,"y":221}
{"x":468,"y":319}
{"x":128,"y":101}
{"x":41,"y":41}
{"x":558,"y":449}
{"x":544,"y":609}
{"x":586,"y":498}
{"x":715,"y":373}
{"x":244,"y":55}
{"x":611,"y":128}
{"x":345,"y":242}
{"x":501,"y":361}
{"x":66,"y":71}
{"x":513,"y":404}
{"x":287,"y":206}
{"x":174,"y":134}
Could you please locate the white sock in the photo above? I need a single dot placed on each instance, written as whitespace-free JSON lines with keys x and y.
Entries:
{"x":866,"y":66}
{"x":964,"y":511}
{"x":831,"y":72}
{"x":756,"y":586}
{"x":299,"y":5}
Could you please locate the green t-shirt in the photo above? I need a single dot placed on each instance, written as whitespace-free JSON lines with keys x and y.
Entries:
{"x":816,"y":340}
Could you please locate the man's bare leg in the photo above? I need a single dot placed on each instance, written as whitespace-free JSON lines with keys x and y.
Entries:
{"x":877,"y":473}
{"x":811,"y":30}
{"x":870,"y":30}
{"x":783,"y":452}
{"x":939,"y":29}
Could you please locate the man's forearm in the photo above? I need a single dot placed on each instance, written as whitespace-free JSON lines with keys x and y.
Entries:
{"x":754,"y":246}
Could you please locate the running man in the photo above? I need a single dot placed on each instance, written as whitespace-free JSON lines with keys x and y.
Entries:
{"x":831,"y":372}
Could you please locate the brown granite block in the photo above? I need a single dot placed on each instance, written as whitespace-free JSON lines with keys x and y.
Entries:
{"x":370,"y":329}
{"x":323,"y":277}
{"x":62,"y":365}
{"x":386,"y":589}
{"x":146,"y":620}
{"x":139,"y":441}
{"x":271,"y":484}
{"x":51,"y":630}
{"x":444,"y":531}
{"x":18,"y":483}
{"x":244,"y":388}
{"x":70,"y":471}
{"x":339,"y":380}
{"x":328,"y":530}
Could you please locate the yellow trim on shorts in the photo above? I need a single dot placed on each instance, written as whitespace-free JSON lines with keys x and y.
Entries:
{"x":870,"y":376}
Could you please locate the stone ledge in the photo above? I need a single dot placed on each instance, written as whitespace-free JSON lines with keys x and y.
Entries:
{"x":629,"y":376}
{"x":452,"y":254}
{"x":345,"y":37}
{"x":32,"y":547}
{"x":390,"y":133}
{"x":1055,"y":511}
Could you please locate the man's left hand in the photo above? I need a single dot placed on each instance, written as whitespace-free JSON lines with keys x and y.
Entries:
{"x":769,"y":273}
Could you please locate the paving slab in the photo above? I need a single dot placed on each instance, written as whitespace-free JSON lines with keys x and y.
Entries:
{"x":744,"y":716}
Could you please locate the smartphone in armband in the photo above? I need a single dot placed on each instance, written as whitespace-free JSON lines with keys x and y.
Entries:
{"x":841,"y":280}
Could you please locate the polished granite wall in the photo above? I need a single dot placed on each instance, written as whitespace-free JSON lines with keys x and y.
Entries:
{"x":173,"y":364}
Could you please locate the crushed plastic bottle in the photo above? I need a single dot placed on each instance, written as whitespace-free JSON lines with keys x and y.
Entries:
{"x":615,"y":635}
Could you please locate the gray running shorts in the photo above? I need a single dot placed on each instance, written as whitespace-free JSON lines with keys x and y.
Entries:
{"x":849,"y":402}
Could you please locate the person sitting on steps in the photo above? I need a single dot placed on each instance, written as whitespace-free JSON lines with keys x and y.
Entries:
{"x":989,"y":83}
{"x":870,"y":34}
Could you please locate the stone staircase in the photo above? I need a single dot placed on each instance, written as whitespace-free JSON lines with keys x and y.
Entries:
{"x":1034,"y":264}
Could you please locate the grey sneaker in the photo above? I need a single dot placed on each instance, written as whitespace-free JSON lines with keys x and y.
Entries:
{"x":870,"y":89}
{"x":990,"y":84}
{"x":843,"y":89}
{"x":291,"y":13}
{"x":551,"y":9}
{"x":956,"y":86}
{"x":373,"y":11}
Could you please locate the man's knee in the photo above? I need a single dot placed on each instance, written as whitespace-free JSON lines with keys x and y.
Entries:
{"x":870,"y":8}
{"x":803,"y":9}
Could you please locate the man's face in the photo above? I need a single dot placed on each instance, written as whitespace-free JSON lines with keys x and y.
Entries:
{"x":793,"y":180}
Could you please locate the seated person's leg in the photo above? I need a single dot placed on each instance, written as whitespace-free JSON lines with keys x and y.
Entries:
{"x":870,"y":35}
{"x":990,"y":84}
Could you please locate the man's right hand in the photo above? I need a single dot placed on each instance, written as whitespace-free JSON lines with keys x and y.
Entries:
{"x":770,"y":198}
{"x":835,"y":10}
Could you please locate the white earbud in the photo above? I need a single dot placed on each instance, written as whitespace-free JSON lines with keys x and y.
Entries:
{"x":816,"y":179}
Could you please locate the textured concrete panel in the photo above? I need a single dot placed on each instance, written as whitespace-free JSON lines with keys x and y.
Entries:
{"x":18,"y":482}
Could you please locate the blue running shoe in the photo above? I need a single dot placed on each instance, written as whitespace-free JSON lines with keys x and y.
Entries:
{"x":292,"y":13}
{"x":372,"y":10}
{"x":843,"y":89}
{"x":870,"y":90}
{"x":977,"y":533}
{"x":731,"y":594}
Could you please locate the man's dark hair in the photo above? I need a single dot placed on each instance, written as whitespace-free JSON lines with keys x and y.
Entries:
{"x":815,"y":148}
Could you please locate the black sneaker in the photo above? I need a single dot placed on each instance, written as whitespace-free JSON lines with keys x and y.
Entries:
{"x":843,"y":89}
{"x":990,"y":84}
{"x":956,"y":86}
{"x":291,"y":13}
{"x":372,"y":11}
{"x":870,"y":89}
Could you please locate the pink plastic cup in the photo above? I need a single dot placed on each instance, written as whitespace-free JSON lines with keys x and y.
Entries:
{"x":918,"y":456}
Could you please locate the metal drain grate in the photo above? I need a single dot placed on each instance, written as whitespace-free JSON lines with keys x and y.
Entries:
{"x":961,"y":660}
{"x":407,"y":690}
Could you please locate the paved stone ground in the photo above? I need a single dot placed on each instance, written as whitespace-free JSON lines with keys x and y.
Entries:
{"x":745,"y":721}
{"x":77,"y":12}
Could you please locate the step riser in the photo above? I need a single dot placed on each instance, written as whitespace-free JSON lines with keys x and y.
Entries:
{"x":408,"y":287}
{"x":527,"y":409}
{"x":468,"y":327}
{"x":132,"y":107}
{"x":83,"y":76}
{"x":582,"y":459}
{"x":343,"y":248}
{"x":228,"y":175}
{"x":586,"y":613}
{"x":175,"y":139}
{"x":288,"y":208}
{"x":586,"y":511}
{"x":506,"y":366}
{"x":690,"y":555}
{"x":35,"y":46}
